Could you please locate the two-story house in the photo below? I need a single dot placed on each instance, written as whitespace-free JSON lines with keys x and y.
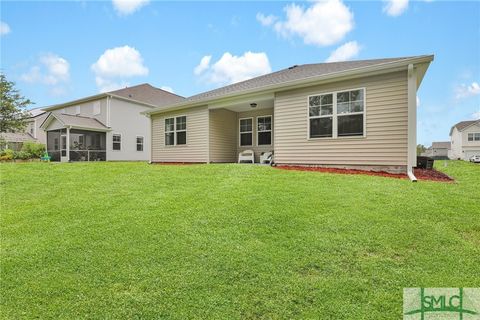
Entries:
{"x":107,"y":126}
{"x":33,"y":123}
{"x":465,"y":140}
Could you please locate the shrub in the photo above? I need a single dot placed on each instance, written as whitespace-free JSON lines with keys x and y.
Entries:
{"x":35,"y":149}
{"x":23,"y":155}
{"x":6,"y":154}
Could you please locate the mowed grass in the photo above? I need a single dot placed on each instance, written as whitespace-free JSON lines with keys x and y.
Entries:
{"x":132,"y":240}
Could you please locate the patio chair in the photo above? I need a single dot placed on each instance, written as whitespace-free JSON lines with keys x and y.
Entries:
{"x":246,"y":155}
{"x":266,"y":157}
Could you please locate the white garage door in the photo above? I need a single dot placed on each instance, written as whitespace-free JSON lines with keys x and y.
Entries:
{"x":470,"y":153}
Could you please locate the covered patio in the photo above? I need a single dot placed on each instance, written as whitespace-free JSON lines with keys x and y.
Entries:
{"x":75,"y":138}
{"x":239,"y":125}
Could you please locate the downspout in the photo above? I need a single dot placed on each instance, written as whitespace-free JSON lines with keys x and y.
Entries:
{"x":150,"y":138}
{"x":412,"y":122}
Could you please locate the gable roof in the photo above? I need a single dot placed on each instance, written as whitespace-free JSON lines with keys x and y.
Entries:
{"x":35,"y":112}
{"x":462,"y":125}
{"x":16,"y":136}
{"x":297,"y":74}
{"x":144,"y":94}
{"x":441,"y":145}
{"x":77,"y":122}
{"x":149,"y":94}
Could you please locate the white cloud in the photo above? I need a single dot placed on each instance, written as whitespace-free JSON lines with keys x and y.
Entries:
{"x":51,"y":70}
{"x":4,"y":28}
{"x":116,"y":64}
{"x":231,"y":69}
{"x":266,"y":20}
{"x":476,"y":115}
{"x":324,"y":23}
{"x":395,"y":8}
{"x":465,"y":91}
{"x":418,"y":102}
{"x":203,"y":65}
{"x":126,"y":7}
{"x":345,"y":52}
{"x":167,"y":88}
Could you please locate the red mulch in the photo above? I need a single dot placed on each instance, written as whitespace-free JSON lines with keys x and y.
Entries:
{"x":421,"y":174}
{"x":433,"y":175}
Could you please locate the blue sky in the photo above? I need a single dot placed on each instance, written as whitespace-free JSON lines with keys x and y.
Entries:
{"x":59,"y":51}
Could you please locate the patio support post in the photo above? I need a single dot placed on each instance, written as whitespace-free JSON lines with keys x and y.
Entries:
{"x":68,"y":144}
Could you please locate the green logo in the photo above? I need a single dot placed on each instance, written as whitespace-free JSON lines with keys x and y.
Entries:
{"x":441,"y":303}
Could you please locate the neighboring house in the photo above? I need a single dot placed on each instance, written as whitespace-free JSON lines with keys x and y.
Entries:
{"x":37,"y":116}
{"x":465,"y":140}
{"x":438,"y":150}
{"x":31,"y":132}
{"x":14,"y":140}
{"x":358,"y":114}
{"x":106,"y":126}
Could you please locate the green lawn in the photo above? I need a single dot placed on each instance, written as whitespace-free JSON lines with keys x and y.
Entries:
{"x":132,"y":240}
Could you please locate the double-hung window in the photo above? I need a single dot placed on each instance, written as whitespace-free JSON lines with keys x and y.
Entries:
{"x":139,"y":141}
{"x":474,"y":136}
{"x":350,"y":113}
{"x":264,"y":130}
{"x":321,"y":116}
{"x":176,"y":131}
{"x":246,"y":132}
{"x":117,"y":141}
{"x":337,"y":114}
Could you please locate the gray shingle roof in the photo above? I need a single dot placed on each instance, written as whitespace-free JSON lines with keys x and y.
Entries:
{"x":148,"y":94}
{"x":16,"y":137}
{"x":297,"y":72}
{"x":441,"y":145}
{"x":463,"y":124}
{"x":78,"y":121}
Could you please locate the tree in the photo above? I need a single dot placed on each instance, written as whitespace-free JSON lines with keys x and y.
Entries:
{"x":420,"y":149}
{"x":12,"y":106}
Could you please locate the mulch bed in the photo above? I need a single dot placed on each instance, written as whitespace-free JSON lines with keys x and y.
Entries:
{"x":421,"y":174}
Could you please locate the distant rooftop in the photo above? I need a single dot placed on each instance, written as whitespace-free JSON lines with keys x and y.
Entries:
{"x":463,"y":124}
{"x":148,"y":94}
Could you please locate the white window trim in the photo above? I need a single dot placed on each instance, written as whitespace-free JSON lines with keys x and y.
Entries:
{"x":175,"y":131}
{"x":334,"y":115}
{"x":240,"y":133}
{"x":271,"y":129}
{"x":473,"y":136}
{"x":143,"y":143}
{"x":121,"y":141}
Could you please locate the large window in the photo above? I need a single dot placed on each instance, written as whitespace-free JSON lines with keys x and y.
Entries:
{"x":117,"y":142}
{"x":321,"y":116}
{"x":139,"y":143}
{"x":474,"y":136}
{"x":246,"y":132}
{"x":337,"y":114}
{"x":176,"y":131}
{"x":264,"y":130}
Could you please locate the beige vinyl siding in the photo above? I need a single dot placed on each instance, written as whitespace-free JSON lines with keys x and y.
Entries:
{"x":386,"y":125}
{"x":223,"y":135}
{"x":196,"y":149}
{"x":254,"y":114}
